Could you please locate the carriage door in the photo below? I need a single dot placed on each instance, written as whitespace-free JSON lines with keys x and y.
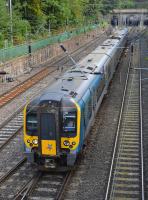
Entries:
{"x":48,"y":134}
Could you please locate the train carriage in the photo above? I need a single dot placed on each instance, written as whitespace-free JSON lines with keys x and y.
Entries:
{"x":56,"y":124}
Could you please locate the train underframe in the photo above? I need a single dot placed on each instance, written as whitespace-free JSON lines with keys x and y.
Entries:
{"x":62,"y":162}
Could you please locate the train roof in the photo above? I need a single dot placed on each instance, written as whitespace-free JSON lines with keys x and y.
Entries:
{"x":94,"y":62}
{"x":121,"y":32}
{"x":72,"y":84}
{"x":76,"y":81}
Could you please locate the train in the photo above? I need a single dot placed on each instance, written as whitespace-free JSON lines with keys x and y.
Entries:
{"x":57,"y":123}
{"x":145,"y":22}
{"x":114,"y":20}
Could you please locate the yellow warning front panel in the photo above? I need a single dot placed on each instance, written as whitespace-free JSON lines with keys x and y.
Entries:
{"x":49,"y":147}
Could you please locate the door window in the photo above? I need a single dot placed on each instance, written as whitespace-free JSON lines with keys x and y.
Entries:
{"x":48,"y":126}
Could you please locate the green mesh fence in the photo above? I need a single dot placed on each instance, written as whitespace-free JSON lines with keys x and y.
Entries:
{"x":9,"y":53}
{"x":12,"y":52}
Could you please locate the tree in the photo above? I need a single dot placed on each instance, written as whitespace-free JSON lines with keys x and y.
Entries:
{"x":93,"y":7}
{"x":34,"y":17}
{"x":108,"y":5}
{"x":125,"y":4}
{"x":77,"y":8}
{"x":4,"y":22}
{"x":56,"y":11}
{"x":61,"y":12}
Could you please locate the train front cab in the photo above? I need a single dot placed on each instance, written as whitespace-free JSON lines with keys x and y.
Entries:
{"x":55,"y":138}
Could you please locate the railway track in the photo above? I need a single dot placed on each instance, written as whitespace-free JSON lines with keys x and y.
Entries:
{"x":21,"y":174}
{"x":7,"y":97}
{"x":22,"y":87}
{"x":144,"y":89}
{"x":10,"y":130}
{"x":44,"y":186}
{"x":36,"y":184}
{"x":126,"y":174}
{"x":12,"y":170}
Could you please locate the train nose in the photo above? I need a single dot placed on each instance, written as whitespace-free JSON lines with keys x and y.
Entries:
{"x":48,"y":147}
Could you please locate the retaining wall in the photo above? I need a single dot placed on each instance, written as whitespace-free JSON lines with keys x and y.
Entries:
{"x":18,"y":66}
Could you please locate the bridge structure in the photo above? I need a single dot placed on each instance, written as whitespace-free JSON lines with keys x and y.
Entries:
{"x":124,"y":15}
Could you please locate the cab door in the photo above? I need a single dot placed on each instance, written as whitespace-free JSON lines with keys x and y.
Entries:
{"x":48,"y":134}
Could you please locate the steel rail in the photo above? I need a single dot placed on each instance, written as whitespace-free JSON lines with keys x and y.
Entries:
{"x":141,"y":130}
{"x":9,"y":139}
{"x":10,"y":172}
{"x":117,"y":135}
{"x":5,"y":99}
{"x":117,"y":138}
{"x":63,"y":186}
{"x":28,"y":187}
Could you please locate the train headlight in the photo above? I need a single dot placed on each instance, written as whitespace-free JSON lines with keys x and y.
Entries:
{"x":66,"y":143}
{"x":73,"y":143}
{"x":35,"y":141}
{"x":28,"y":141}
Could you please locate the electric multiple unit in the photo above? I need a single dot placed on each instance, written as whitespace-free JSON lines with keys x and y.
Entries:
{"x":57,"y":123}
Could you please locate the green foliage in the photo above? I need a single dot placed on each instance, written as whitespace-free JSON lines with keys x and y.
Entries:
{"x":4,"y":22}
{"x":56,"y":11}
{"x":21,"y":29}
{"x":125,"y":4}
{"x":108,"y":5}
{"x":34,"y":19}
{"x":93,"y":8}
{"x":62,"y":12}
